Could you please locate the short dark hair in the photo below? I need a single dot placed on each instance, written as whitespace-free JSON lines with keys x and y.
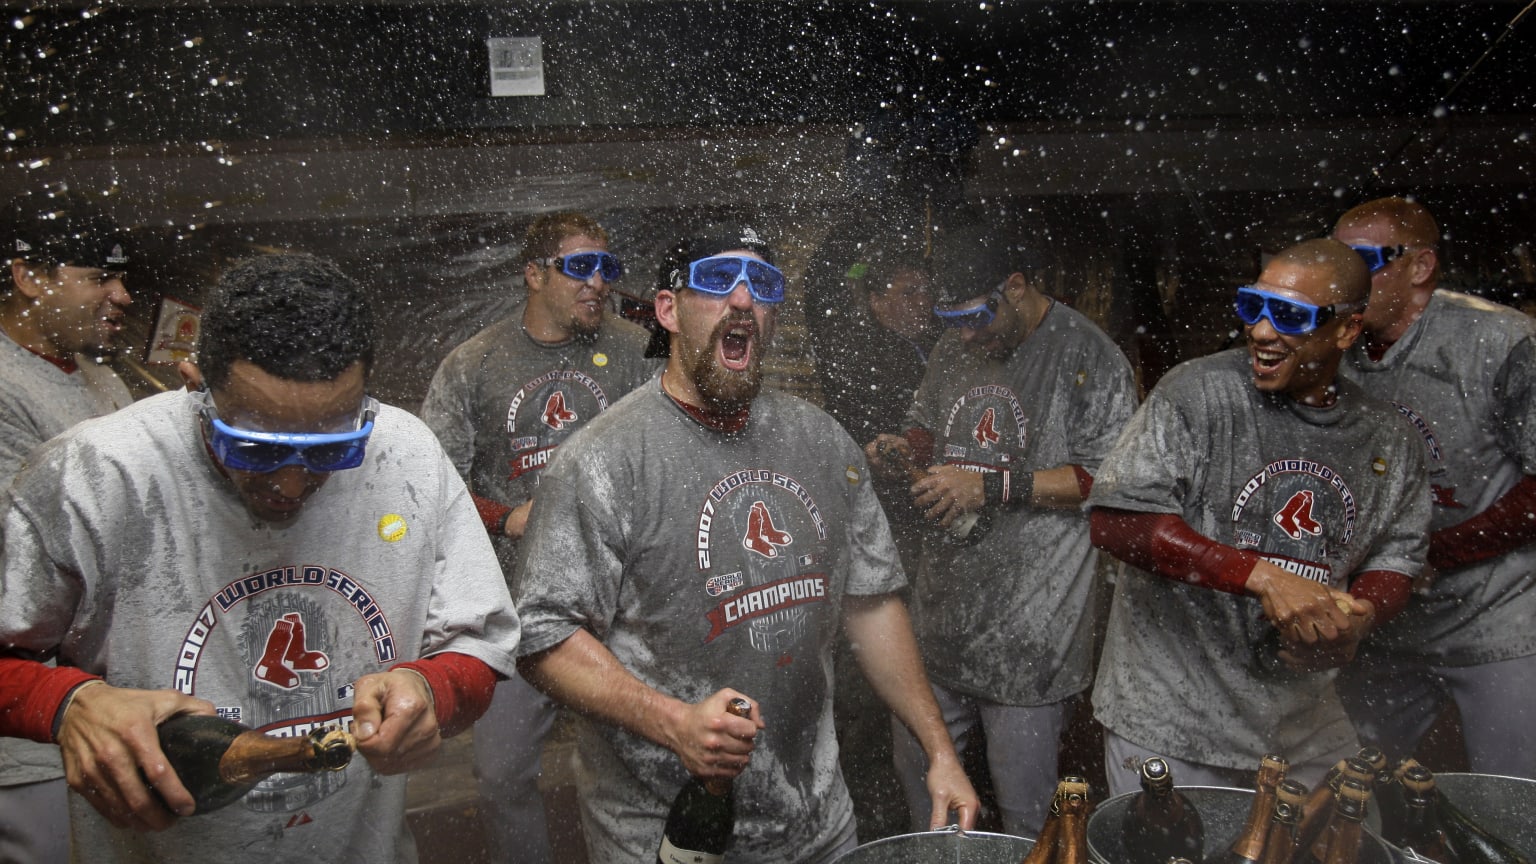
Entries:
{"x":544,"y":236}
{"x":295,"y":316}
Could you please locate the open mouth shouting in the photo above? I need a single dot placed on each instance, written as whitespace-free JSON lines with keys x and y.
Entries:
{"x":735,"y":343}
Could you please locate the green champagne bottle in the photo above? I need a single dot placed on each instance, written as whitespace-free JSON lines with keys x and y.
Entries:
{"x":702,"y":817}
{"x":219,"y":760}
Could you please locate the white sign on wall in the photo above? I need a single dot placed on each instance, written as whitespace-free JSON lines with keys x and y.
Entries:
{"x":517,"y":65}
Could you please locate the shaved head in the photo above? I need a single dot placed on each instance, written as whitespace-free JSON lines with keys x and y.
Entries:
{"x":1337,"y":271}
{"x":1407,"y":222}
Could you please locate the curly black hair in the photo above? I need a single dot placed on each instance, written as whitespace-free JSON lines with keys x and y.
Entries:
{"x":295,"y":316}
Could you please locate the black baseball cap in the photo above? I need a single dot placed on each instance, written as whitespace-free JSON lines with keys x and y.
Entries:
{"x":970,"y":261}
{"x":62,"y":230}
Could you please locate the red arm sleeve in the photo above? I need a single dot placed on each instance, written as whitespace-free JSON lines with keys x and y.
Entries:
{"x":921,"y":441}
{"x":31,"y":694}
{"x":1507,"y":524}
{"x":493,"y":514}
{"x":1084,"y":480}
{"x":461,"y":688}
{"x":1165,"y":544}
{"x":1387,"y":590}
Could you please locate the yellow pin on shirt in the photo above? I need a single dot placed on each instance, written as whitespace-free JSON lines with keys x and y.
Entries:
{"x":392,"y":528}
{"x":599,"y":359}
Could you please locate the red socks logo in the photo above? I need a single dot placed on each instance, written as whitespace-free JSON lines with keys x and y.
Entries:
{"x":556,"y":415}
{"x":1295,"y":518}
{"x":762,"y":536}
{"x":986,"y":428}
{"x":286,"y":653}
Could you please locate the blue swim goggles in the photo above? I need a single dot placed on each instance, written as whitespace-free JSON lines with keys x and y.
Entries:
{"x":719,"y":275}
{"x":582,"y":265}
{"x":265,"y":452}
{"x":1378,"y":257}
{"x":972,"y":317}
{"x":1290,"y":317}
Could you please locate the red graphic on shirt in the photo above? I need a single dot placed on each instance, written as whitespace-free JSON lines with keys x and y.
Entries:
{"x":1295,"y":518}
{"x":1445,"y":496}
{"x":556,"y":415}
{"x":762,"y":536}
{"x":986,"y":429}
{"x":286,"y":653}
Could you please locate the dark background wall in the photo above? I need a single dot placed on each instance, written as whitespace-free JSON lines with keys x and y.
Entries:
{"x":1154,"y":150}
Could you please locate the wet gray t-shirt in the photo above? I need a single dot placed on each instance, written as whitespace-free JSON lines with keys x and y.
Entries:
{"x":1325,"y":493}
{"x":501,"y":403}
{"x":132,"y":557}
{"x":38,"y":400}
{"x":702,"y":560}
{"x":1464,"y":376}
{"x":1011,"y":617}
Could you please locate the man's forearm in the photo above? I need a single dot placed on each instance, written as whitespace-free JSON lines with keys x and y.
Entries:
{"x":582,"y":673}
{"x":31,"y":694}
{"x":880,"y":631}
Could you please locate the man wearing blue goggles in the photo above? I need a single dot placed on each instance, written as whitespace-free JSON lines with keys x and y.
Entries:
{"x":582,"y":265}
{"x":1287,"y":315}
{"x":720,"y":274}
{"x":264,"y":452}
{"x":1378,"y":257}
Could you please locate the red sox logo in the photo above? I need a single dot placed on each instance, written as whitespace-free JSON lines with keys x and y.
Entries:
{"x":762,"y":536}
{"x":1295,"y":518}
{"x":986,"y":428}
{"x":556,"y":415}
{"x":286,"y":653}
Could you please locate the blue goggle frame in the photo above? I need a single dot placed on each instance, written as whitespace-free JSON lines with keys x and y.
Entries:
{"x":1378,"y":257}
{"x":265,"y":452}
{"x":1290,"y":317}
{"x":720,"y":274}
{"x":973,"y":317}
{"x":581,"y":265}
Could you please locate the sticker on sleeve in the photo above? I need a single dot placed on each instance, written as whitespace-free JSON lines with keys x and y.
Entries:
{"x":1379,"y":465}
{"x":852,"y":473}
{"x":392,"y":528}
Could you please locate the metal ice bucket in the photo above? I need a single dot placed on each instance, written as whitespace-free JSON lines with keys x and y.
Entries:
{"x":947,"y":846}
{"x":1505,"y":806}
{"x":1222,"y":813}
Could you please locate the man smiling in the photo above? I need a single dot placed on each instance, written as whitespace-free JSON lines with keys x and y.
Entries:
{"x":703,"y":540}
{"x":1272,"y":514}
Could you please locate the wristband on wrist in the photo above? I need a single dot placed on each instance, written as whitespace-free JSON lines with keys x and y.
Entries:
{"x":1009,"y":489}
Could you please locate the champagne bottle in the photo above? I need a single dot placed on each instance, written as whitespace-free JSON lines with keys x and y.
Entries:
{"x":1344,"y":829}
{"x":219,"y":760}
{"x":1072,"y":843}
{"x":1049,"y":838}
{"x":1280,"y":842}
{"x":1320,"y":808}
{"x":1386,"y":792}
{"x":1249,"y":844}
{"x":1159,"y":823}
{"x":703,"y":815}
{"x":1420,"y":831}
{"x":963,"y":530}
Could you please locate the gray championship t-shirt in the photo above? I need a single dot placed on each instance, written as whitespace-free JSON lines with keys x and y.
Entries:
{"x":1464,"y":376}
{"x":1325,"y":493}
{"x":501,"y":403}
{"x":38,"y":400}
{"x":132,"y":557}
{"x":1011,"y":618}
{"x":704,"y":560}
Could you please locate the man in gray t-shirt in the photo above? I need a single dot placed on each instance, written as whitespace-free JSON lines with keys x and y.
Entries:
{"x":1272,"y":514}
{"x":1021,"y":401}
{"x":1462,"y":371}
{"x":502,"y":403}
{"x":269,"y":544}
{"x":61,"y":311}
{"x":702,"y":541}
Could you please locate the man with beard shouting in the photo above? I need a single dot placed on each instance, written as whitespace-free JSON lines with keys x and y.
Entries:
{"x":1272,"y":513}
{"x":701,"y":541}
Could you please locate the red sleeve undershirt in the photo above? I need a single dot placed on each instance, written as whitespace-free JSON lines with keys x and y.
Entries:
{"x":1506,"y":525}
{"x":1165,"y":544}
{"x":461,"y":688}
{"x":31,"y":694}
{"x":493,"y":514}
